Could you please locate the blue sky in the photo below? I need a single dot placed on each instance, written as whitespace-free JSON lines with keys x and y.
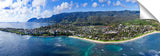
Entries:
{"x":23,"y":10}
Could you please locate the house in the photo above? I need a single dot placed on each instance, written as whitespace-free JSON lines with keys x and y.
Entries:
{"x":110,"y":32}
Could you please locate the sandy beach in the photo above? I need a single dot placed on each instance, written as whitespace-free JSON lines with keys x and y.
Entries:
{"x":96,"y":41}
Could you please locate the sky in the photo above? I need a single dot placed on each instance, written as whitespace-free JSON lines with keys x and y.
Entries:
{"x":23,"y":10}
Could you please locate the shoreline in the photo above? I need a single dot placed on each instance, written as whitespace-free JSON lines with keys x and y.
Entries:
{"x":110,"y":42}
{"x":107,"y":42}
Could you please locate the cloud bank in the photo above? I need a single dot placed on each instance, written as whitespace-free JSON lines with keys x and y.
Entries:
{"x":23,"y":10}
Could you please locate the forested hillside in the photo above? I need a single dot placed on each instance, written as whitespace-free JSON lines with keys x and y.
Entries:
{"x":90,"y":18}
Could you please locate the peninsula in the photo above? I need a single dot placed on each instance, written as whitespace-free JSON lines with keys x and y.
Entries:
{"x":113,"y":33}
{"x":100,"y":27}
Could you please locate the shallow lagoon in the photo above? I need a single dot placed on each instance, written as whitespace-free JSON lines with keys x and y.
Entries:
{"x":17,"y":45}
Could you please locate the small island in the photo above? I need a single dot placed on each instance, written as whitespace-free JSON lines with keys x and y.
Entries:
{"x":111,"y":33}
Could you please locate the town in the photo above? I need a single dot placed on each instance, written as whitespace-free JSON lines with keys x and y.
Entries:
{"x":100,"y":32}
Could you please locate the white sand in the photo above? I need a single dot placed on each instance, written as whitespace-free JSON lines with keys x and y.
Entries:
{"x":96,"y":41}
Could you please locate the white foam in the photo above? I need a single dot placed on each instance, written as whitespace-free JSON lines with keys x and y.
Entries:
{"x":57,"y":44}
{"x":124,"y":54}
{"x":154,"y":52}
{"x":141,"y":53}
{"x":26,"y":37}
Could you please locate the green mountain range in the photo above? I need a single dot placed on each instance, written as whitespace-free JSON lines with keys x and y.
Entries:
{"x":90,"y":18}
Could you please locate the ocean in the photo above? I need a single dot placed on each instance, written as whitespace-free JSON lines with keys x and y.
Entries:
{"x":12,"y":44}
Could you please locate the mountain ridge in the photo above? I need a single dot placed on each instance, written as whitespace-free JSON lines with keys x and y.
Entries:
{"x":98,"y":17}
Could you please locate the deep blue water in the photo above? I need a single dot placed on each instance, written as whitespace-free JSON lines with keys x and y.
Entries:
{"x":17,"y":45}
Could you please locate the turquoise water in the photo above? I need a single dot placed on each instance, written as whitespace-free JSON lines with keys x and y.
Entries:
{"x":17,"y":45}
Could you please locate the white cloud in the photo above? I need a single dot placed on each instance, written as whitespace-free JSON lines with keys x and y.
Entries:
{"x":109,"y":2}
{"x":36,"y":12}
{"x":77,"y":6}
{"x":101,"y":1}
{"x":16,"y":11}
{"x":25,"y":2}
{"x":118,"y":3}
{"x":64,"y":6}
{"x":46,"y":14}
{"x":14,"y":15}
{"x":102,"y":5}
{"x":133,"y":1}
{"x":36,"y":3}
{"x":85,"y":4}
{"x":94,"y":4}
{"x":5,"y":3}
{"x":21,"y":11}
{"x":54,"y":0}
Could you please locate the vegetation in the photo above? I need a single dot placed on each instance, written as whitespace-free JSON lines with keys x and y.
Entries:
{"x":103,"y":26}
{"x":90,"y":18}
{"x":111,"y":32}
